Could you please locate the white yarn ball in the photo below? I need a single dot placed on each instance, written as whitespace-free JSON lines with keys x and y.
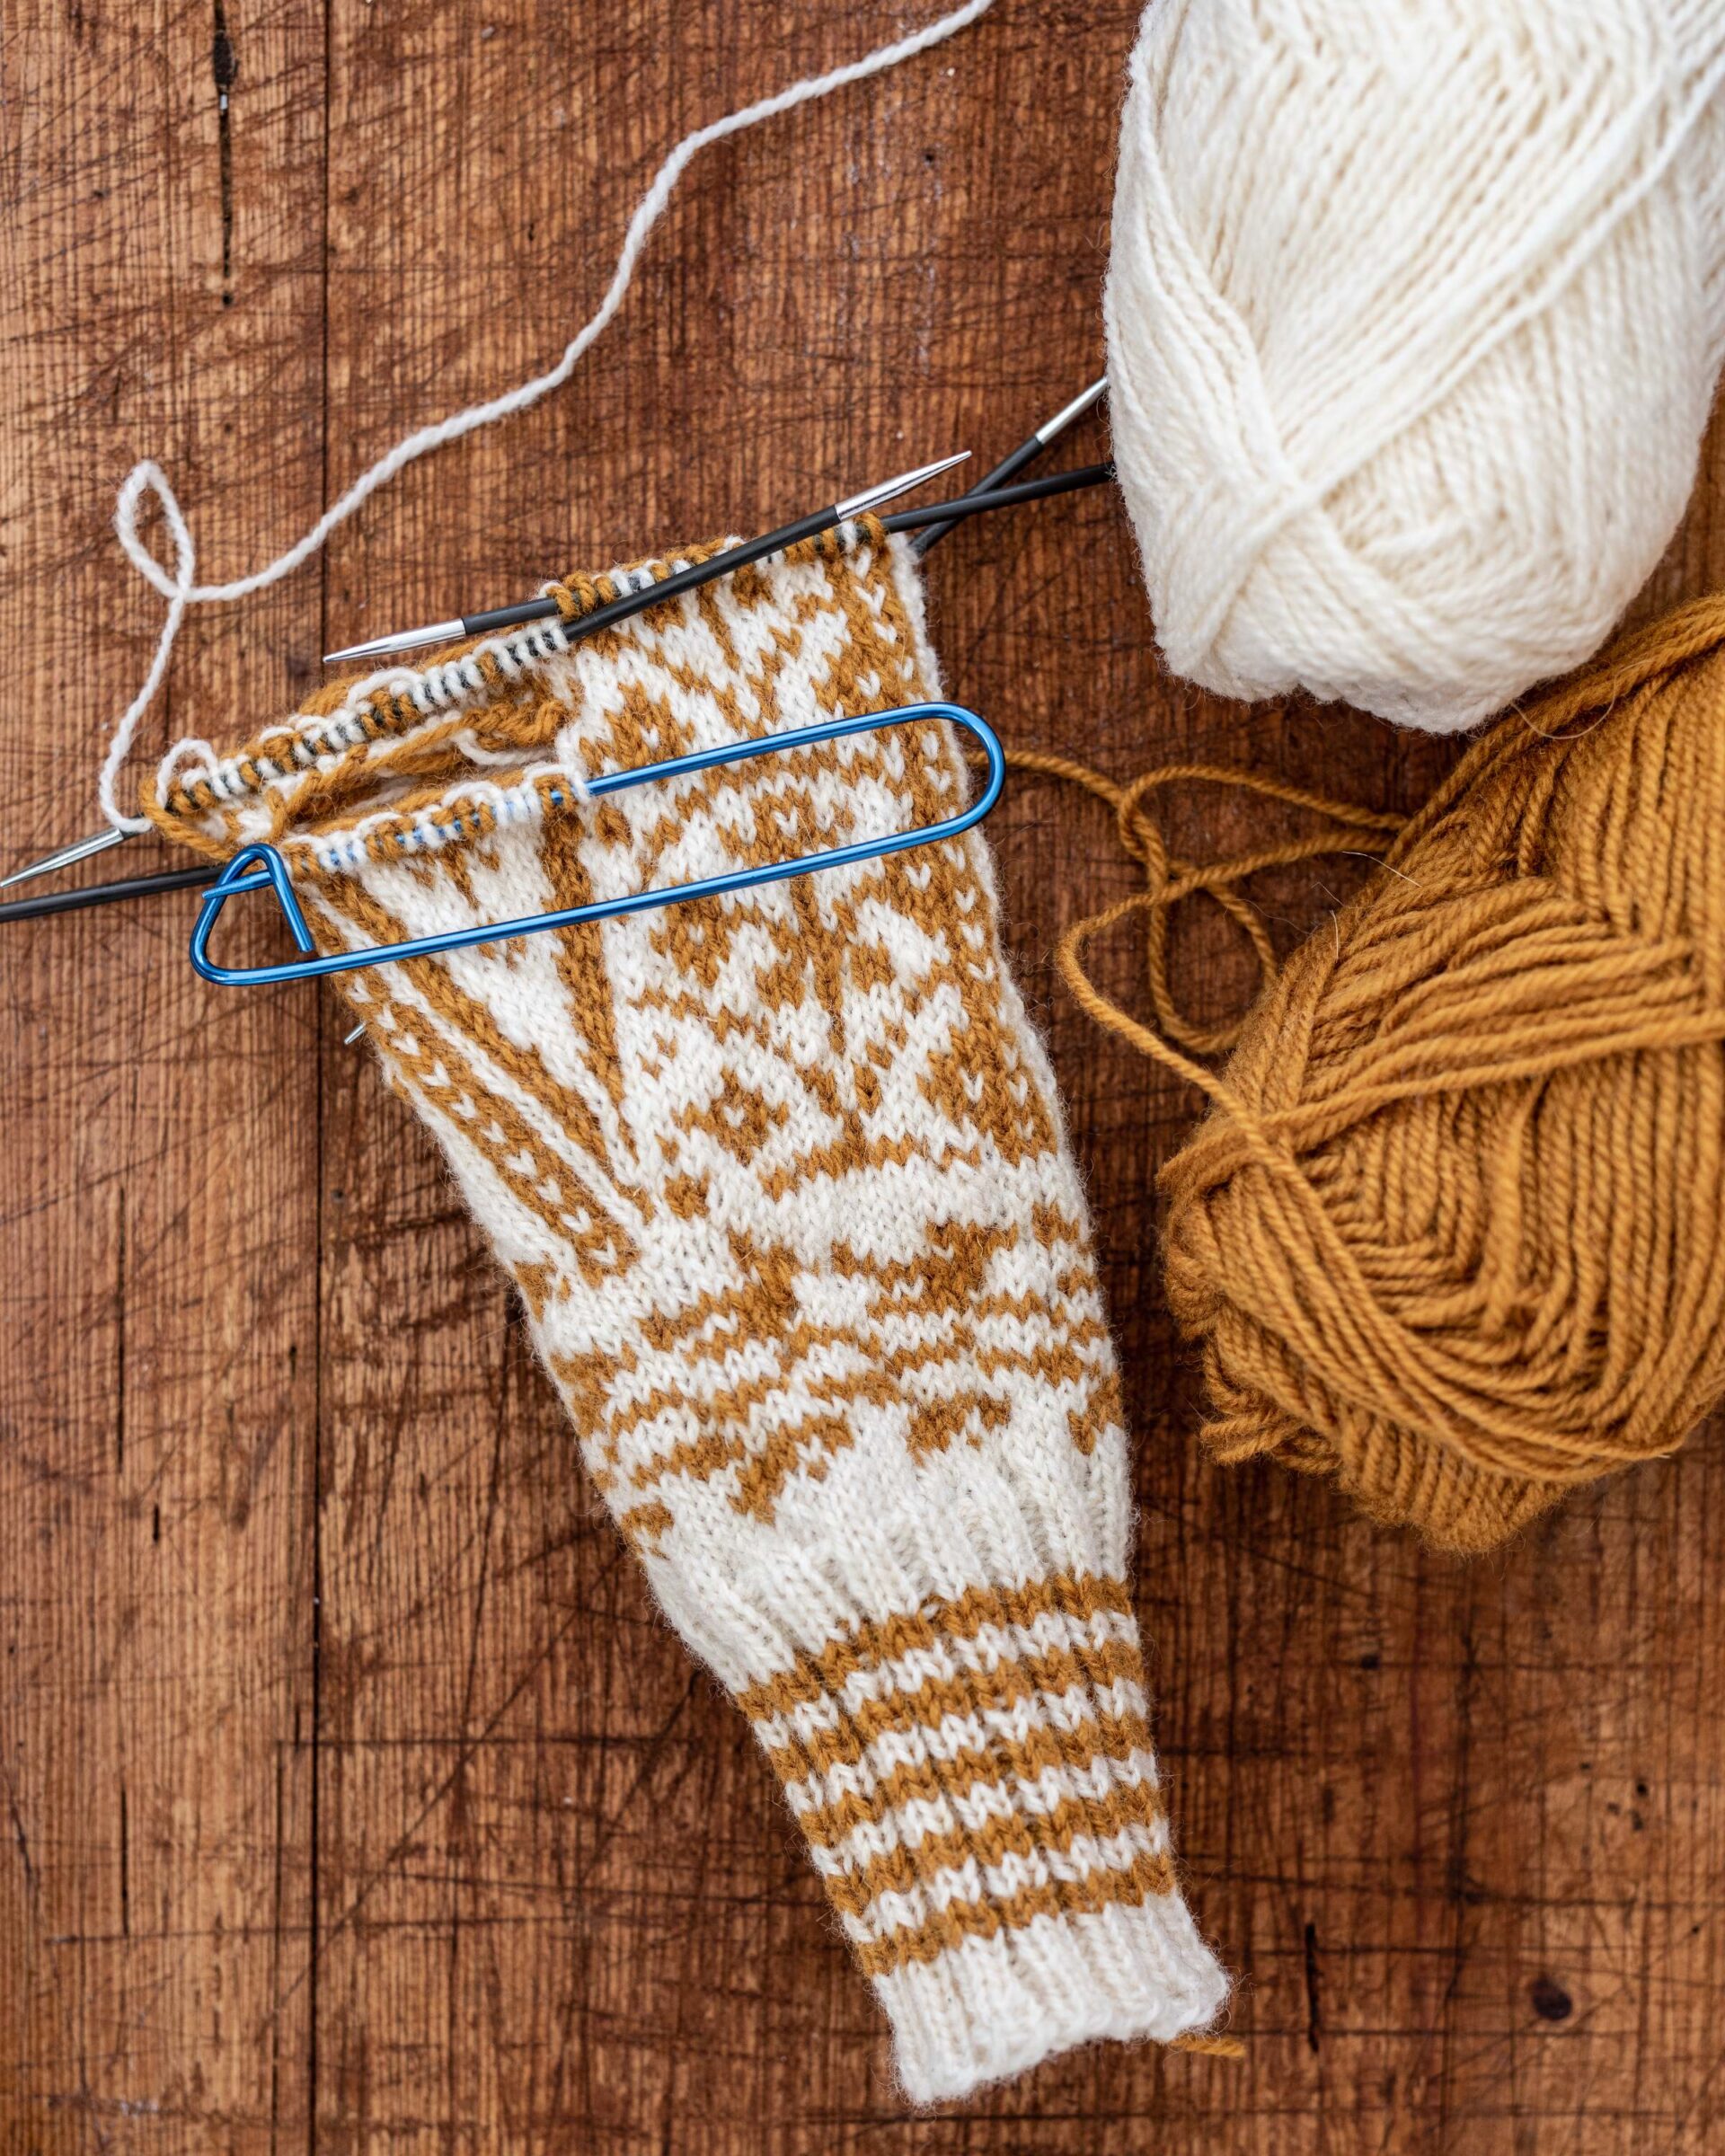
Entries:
{"x":1415,"y":312}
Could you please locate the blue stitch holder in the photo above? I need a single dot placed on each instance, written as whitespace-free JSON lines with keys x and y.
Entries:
{"x":258,"y":867}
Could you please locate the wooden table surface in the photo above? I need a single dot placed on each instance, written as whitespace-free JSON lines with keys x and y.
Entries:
{"x":352,"y":1795}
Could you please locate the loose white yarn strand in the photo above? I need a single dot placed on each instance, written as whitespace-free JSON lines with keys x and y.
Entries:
{"x":179,"y":588}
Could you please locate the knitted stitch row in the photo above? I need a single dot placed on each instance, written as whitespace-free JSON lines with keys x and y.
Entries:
{"x":371,"y":719}
{"x":782,"y":1180}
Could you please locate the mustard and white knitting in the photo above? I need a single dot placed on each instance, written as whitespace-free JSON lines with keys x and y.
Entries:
{"x":782,"y":1180}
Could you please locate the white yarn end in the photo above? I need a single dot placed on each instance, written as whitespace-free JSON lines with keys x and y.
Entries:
{"x":178,"y":588}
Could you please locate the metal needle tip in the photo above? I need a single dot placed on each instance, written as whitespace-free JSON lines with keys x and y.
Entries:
{"x":1063,"y":419}
{"x":403,"y":640}
{"x":444,"y":633}
{"x":67,"y":856}
{"x":1009,"y":468}
{"x":870,"y":497}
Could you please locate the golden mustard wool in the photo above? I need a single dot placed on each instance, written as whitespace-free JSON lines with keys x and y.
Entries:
{"x":782,"y":1180}
{"x":1453,"y":1230}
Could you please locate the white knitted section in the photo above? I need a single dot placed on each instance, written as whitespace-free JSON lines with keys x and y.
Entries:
{"x":997,"y":2007}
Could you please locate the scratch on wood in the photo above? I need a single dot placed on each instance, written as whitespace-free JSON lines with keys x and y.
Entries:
{"x":125,"y":1865}
{"x":225,"y":66}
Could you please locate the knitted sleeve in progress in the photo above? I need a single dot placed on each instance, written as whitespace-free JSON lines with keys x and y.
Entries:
{"x":781,"y":1181}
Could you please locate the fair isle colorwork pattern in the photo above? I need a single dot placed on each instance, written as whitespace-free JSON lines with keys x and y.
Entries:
{"x":782,"y":1180}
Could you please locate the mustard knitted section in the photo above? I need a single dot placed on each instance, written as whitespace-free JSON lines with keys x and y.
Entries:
{"x":781,"y":1180}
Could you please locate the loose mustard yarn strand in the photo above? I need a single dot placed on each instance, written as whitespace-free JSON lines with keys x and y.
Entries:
{"x":1210,"y":2047}
{"x":1170,"y":881}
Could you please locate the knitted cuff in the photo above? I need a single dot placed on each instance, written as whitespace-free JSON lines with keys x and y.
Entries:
{"x":782,"y":1180}
{"x":975,"y":1783}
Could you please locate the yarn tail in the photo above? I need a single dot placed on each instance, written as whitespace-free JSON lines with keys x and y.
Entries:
{"x":179,"y":586}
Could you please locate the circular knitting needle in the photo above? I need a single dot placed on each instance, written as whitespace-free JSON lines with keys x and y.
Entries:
{"x":105,"y":894}
{"x":632,"y":602}
{"x":945,"y":515}
{"x":940,"y":515}
{"x":1009,"y":467}
{"x":1050,"y":430}
{"x":538,"y":610}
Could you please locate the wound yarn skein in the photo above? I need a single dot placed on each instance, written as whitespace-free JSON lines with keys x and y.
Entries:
{"x":1415,"y":314}
{"x":1452,"y":1232}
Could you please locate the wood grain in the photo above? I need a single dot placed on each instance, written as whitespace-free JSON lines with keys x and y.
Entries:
{"x":352,"y":1796}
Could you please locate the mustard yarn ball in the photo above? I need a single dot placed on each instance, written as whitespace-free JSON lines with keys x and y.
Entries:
{"x":1451,"y":1235}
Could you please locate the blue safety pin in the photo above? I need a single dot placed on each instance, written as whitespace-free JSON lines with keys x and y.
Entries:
{"x":259,"y":866}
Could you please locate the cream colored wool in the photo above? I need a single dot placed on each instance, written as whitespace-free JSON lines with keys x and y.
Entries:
{"x":1415,"y":312}
{"x":782,"y":1180}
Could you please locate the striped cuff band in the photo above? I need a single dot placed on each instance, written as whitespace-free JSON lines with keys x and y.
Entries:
{"x":977,"y":1785}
